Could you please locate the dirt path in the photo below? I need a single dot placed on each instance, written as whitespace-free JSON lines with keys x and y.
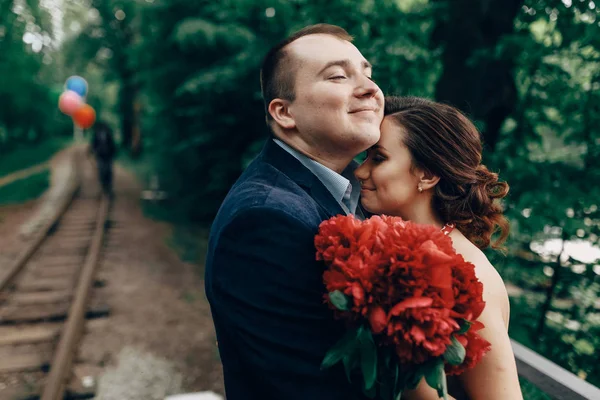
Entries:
{"x":24,"y":173}
{"x":159,"y":309}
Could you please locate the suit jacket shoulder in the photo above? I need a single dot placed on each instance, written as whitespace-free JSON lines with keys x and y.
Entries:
{"x":276,"y":180}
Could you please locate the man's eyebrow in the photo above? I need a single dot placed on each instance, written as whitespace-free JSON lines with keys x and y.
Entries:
{"x":344,"y":64}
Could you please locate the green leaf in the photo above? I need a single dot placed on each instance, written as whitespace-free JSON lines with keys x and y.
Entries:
{"x":436,"y":378}
{"x":368,"y":358}
{"x":344,"y":346}
{"x":387,"y":358}
{"x":386,"y":388}
{"x":339,"y":300}
{"x":398,"y":386}
{"x":464,"y":326}
{"x":350,"y":362}
{"x":371,"y":392}
{"x":413,"y":379}
{"x":455,"y":352}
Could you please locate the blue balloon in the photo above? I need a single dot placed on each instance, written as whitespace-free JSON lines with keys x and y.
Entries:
{"x":77,"y":84}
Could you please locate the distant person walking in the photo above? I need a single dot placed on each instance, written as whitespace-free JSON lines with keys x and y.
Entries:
{"x":104,"y":149}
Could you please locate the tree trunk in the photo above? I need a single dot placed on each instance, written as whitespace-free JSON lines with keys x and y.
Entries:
{"x":590,"y":110}
{"x":481,"y":86}
{"x":126,"y":109}
{"x":550,"y":292}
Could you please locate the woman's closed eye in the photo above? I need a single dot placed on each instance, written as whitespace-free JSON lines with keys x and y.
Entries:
{"x":338,"y":77}
{"x":377,"y":157}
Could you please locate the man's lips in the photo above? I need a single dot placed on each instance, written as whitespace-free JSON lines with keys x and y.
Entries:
{"x":363,"y":110}
{"x":366,"y":188}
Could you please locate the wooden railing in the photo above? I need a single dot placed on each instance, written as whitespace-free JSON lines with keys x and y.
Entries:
{"x":555,"y":381}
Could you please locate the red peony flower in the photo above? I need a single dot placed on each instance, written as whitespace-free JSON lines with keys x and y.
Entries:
{"x":424,"y":333}
{"x":468,"y":292}
{"x":378,"y":319}
{"x":406,"y":283}
{"x":476,"y":347}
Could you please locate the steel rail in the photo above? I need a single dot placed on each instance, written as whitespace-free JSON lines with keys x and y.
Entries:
{"x":54,"y":388}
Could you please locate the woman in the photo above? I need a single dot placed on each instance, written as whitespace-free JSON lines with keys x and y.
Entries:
{"x":427,"y":168}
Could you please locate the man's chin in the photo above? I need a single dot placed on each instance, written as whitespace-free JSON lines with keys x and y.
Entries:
{"x":370,"y":137}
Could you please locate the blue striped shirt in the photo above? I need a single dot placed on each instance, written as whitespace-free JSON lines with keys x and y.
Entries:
{"x":345,"y":188}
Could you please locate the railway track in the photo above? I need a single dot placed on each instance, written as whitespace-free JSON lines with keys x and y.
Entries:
{"x":48,"y":296}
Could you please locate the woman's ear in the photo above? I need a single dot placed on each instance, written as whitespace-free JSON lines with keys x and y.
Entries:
{"x":280,"y":111}
{"x":428,"y":179}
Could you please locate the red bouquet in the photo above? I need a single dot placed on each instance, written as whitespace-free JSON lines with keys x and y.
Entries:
{"x":409,"y":299}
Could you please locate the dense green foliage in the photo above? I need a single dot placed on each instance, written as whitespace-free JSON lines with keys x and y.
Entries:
{"x":23,"y":155}
{"x":25,"y":189}
{"x":203,"y":105}
{"x":548,"y":153}
{"x":28,"y":93}
{"x":181,"y":78}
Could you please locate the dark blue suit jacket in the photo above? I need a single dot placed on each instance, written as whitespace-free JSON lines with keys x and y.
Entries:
{"x":265,"y":287}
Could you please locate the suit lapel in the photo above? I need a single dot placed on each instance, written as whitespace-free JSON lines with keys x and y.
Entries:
{"x":286,"y":163}
{"x":323,"y":197}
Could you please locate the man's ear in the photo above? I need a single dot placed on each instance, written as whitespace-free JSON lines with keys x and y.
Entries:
{"x":280,"y":111}
{"x":428,"y":179}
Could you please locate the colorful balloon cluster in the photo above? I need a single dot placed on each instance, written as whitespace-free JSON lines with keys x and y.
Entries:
{"x":72,"y":102}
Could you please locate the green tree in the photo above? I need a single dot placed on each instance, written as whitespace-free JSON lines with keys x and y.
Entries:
{"x":200,"y":63}
{"x":104,"y":50}
{"x":477,"y":75}
{"x":546,"y":151}
{"x":25,"y":39}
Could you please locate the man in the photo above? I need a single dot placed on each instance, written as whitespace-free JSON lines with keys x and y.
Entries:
{"x":262,"y":280}
{"x":103,"y":147}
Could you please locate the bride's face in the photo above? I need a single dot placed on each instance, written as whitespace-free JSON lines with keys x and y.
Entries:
{"x":388,"y":183}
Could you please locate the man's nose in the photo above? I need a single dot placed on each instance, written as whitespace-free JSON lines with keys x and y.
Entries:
{"x":367,"y":88}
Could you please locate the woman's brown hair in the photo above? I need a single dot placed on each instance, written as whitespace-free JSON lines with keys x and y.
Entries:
{"x":443,"y":141}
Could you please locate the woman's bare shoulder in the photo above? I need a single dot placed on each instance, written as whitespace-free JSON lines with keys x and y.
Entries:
{"x":494,"y":290}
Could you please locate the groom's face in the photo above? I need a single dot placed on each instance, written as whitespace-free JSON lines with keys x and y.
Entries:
{"x":337,"y":108}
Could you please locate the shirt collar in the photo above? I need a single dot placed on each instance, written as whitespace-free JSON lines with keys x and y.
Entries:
{"x":336,"y":184}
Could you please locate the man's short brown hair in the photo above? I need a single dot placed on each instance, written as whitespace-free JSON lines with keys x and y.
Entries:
{"x":278,"y":71}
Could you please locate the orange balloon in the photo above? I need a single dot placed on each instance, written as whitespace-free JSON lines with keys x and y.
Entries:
{"x":85,"y":116}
